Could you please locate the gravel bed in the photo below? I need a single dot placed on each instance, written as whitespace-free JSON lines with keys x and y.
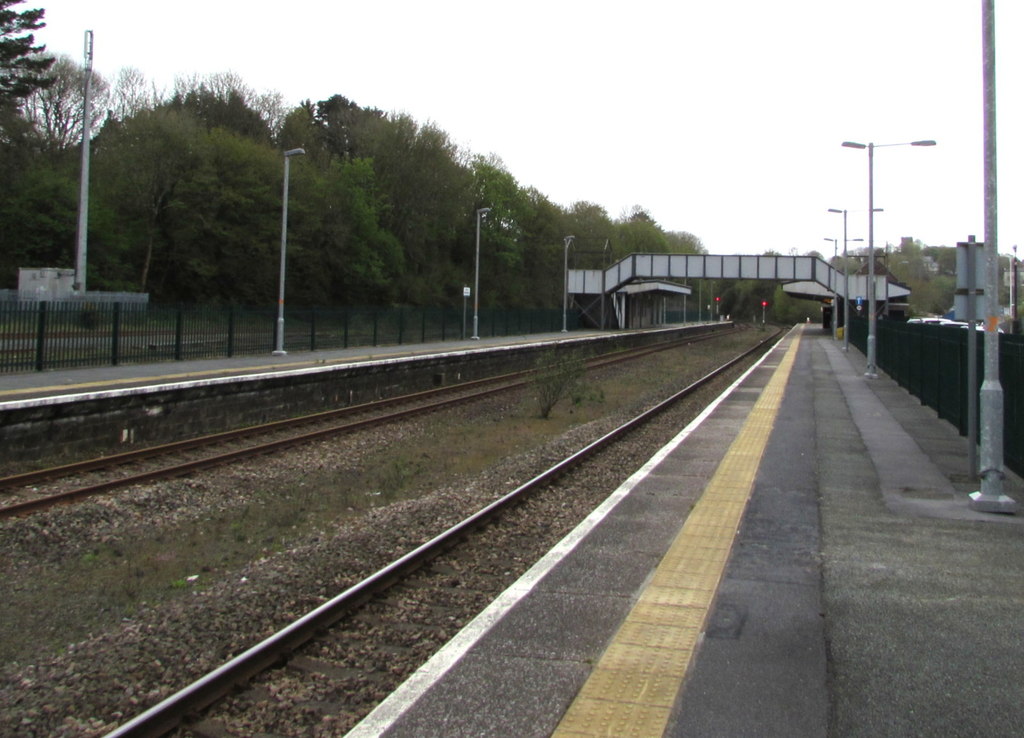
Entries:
{"x":99,"y":681}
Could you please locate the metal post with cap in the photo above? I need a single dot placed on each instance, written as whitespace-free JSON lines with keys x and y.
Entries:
{"x":990,"y":497}
{"x":476,"y":279}
{"x":279,"y":346}
{"x":565,"y":291}
{"x":871,"y":371}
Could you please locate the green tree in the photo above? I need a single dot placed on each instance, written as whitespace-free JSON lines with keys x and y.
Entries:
{"x":427,"y":190}
{"x":23,"y":67}
{"x":222,"y":101}
{"x":343,"y":256}
{"x":590,"y":224}
{"x":494,"y":187}
{"x":139,"y":165}
{"x":544,"y":229}
{"x":37,"y":219}
{"x":681,"y":242}
{"x":638,"y":233}
{"x":220,"y":229}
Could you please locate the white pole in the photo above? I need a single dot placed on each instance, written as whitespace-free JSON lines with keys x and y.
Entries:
{"x":476,"y":278}
{"x":279,"y":350}
{"x":565,"y":291}
{"x":991,"y":497}
{"x":83,"y":189}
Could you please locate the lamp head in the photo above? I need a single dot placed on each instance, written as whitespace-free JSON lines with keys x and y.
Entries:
{"x":294,"y":152}
{"x":854,"y":145}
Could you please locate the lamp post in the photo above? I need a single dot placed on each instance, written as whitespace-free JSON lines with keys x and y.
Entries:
{"x":990,"y":497}
{"x":565,"y":292}
{"x":846,"y":282}
{"x":872,"y":365}
{"x":279,"y":350}
{"x":481,"y":212}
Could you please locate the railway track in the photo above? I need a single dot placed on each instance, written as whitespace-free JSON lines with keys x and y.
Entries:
{"x":33,"y":491}
{"x":403,"y":611}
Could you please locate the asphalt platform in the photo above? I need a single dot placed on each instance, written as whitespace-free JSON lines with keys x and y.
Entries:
{"x":860,"y":595}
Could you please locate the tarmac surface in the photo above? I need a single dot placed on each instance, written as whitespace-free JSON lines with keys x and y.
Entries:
{"x":861,"y":597}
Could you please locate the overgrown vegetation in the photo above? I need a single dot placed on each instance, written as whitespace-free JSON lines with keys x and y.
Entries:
{"x":559,"y":376}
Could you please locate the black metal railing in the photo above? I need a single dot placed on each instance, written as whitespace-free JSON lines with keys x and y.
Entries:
{"x":36,"y":336}
{"x":930,"y":362}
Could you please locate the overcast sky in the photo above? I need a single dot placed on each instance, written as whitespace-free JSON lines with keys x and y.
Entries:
{"x":721,"y":118}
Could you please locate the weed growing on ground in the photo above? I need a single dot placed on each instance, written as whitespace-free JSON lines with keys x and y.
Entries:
{"x":560,"y":376}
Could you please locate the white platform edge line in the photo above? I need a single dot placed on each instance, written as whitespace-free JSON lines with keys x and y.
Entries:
{"x":413,"y":688}
{"x":241,"y":377}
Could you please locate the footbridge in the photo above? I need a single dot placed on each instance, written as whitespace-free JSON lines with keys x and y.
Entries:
{"x":605,"y":295}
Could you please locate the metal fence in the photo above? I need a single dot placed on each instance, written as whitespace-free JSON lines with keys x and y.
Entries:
{"x":35,"y":336}
{"x":930,"y":362}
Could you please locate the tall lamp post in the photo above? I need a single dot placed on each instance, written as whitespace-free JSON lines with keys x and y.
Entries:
{"x":846,"y":282}
{"x":279,"y":349}
{"x":481,"y":212}
{"x":872,"y":365}
{"x":565,"y":292}
{"x":990,"y":497}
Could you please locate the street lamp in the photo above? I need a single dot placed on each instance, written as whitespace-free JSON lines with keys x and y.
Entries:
{"x":279,"y":351}
{"x":481,"y":212}
{"x":846,"y":282}
{"x":565,"y":292}
{"x":872,"y":366}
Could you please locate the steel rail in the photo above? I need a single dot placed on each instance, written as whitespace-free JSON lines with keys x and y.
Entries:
{"x":511,"y":381}
{"x":171,"y":712}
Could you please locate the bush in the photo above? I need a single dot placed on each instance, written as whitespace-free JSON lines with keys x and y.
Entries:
{"x":557,"y":377}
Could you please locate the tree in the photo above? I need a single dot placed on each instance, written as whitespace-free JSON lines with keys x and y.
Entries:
{"x":222,"y":101}
{"x":428,"y":195}
{"x":132,"y":94}
{"x":23,"y":67}
{"x":544,"y":230}
{"x":589,"y":223}
{"x":495,"y":188}
{"x":57,"y":110}
{"x":638,"y":233}
{"x":681,"y":242}
{"x":141,"y":163}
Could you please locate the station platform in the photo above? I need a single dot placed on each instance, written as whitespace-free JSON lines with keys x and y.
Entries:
{"x":799,"y":561}
{"x":77,"y":380}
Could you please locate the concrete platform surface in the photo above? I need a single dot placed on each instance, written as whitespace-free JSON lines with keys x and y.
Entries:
{"x":861,"y":597}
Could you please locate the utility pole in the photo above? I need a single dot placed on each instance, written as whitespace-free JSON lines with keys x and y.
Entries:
{"x":83,"y":188}
{"x":991,"y":498}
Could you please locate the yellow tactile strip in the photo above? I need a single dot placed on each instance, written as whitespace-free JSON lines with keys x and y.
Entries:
{"x":634,"y":685}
